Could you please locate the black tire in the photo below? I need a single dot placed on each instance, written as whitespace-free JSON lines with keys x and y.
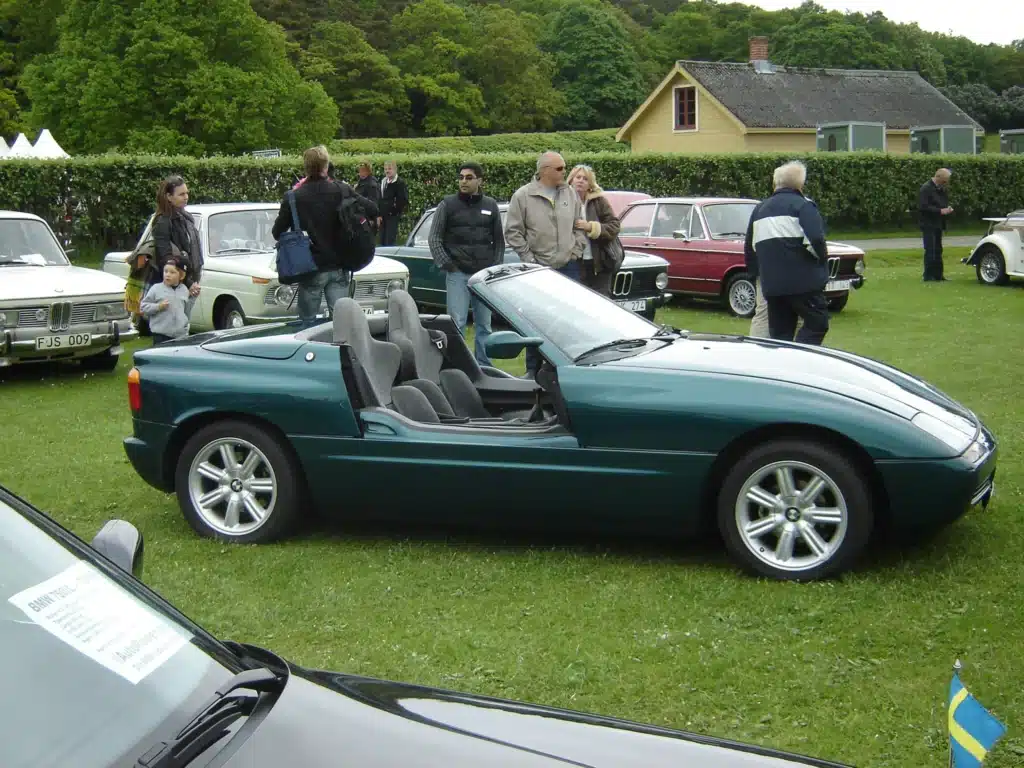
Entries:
{"x":991,"y":266}
{"x":101,"y":362}
{"x":284,"y":474}
{"x":228,"y":313}
{"x":650,"y":313}
{"x":845,"y":537}
{"x":740,"y":295}
{"x":838,"y":304}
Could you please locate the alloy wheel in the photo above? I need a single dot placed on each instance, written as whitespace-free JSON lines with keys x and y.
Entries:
{"x":742,"y":297}
{"x":232,"y":486}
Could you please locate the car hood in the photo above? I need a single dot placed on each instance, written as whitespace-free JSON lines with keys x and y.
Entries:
{"x":264,"y":264}
{"x":373,"y":723}
{"x":51,"y":283}
{"x":636,"y":260}
{"x":853,"y":376}
{"x":843,"y":249}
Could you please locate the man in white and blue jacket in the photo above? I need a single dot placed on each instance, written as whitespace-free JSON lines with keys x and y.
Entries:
{"x":785,"y":248}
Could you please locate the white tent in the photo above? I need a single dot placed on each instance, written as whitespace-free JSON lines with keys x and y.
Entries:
{"x":47,"y":147}
{"x":4,"y":149}
{"x":21,"y":147}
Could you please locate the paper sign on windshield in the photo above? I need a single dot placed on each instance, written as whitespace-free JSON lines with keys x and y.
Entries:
{"x":93,"y":615}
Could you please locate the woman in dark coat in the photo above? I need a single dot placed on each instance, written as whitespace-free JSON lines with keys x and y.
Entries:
{"x":603,"y":255}
{"x":174,"y":229}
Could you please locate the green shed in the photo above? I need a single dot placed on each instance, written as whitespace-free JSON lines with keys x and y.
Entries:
{"x":1012,"y":142}
{"x":932,"y":139}
{"x":851,"y":136}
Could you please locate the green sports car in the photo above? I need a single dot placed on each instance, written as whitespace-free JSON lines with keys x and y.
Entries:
{"x":800,"y":456}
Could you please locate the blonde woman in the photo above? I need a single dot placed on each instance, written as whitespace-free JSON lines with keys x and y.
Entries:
{"x":602,"y":254}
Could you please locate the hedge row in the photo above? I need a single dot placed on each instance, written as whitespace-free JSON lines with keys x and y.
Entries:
{"x":602,"y":140}
{"x":110,"y":197}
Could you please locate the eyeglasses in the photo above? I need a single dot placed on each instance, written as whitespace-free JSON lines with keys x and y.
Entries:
{"x":557,"y":168}
{"x":466,"y":178}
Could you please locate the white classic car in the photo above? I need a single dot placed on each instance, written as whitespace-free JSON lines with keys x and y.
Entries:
{"x":51,"y":310}
{"x":239,"y":281}
{"x":999,"y":255}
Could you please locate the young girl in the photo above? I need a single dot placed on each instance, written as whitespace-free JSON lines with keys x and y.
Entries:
{"x":167,"y":305}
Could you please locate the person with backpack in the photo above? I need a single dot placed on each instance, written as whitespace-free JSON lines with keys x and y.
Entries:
{"x":337,"y":222}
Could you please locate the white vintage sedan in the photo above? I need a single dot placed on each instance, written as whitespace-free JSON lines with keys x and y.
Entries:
{"x":999,"y":255}
{"x":239,"y":280}
{"x":51,"y":310}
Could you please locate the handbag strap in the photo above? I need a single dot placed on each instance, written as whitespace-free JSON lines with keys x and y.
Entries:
{"x":295,"y":212}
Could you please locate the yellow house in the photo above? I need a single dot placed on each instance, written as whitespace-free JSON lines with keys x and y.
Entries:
{"x":756,"y":106}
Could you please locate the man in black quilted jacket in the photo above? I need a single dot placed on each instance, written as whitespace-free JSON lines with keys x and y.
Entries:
{"x":785,"y":247}
{"x":932,"y":210}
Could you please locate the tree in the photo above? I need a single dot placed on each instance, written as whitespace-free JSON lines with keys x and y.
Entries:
{"x":27,"y":29}
{"x":366,"y":86}
{"x":189,"y":76}
{"x":597,"y":68}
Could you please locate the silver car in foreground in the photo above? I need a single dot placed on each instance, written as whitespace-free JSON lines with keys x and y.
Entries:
{"x":51,"y":310}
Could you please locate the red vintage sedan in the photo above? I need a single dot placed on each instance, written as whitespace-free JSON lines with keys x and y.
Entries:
{"x":702,"y":238}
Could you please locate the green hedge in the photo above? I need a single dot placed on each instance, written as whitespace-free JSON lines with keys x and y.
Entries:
{"x":602,"y":140}
{"x":111,"y":196}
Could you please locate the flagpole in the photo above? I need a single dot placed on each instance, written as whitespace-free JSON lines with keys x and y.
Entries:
{"x":956,"y":671}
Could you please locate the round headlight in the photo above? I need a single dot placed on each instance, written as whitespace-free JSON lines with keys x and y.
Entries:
{"x":284,"y":294}
{"x":859,"y":267}
{"x":396,"y":285}
{"x":661,"y":281}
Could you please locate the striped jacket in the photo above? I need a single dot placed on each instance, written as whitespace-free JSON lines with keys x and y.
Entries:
{"x":785,"y":245}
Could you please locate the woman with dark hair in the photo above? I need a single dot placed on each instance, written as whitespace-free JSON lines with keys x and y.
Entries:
{"x":175,"y":234}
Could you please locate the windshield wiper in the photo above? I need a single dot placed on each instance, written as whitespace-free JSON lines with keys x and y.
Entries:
{"x":616,"y":343}
{"x":15,"y":262}
{"x":211,"y":724}
{"x":242,"y":250}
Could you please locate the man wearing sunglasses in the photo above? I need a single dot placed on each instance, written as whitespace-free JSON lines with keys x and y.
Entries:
{"x":541,"y":226}
{"x":466,"y":237}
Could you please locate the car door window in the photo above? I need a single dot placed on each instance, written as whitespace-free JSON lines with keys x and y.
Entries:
{"x":636,"y":222}
{"x":696,"y":225}
{"x":422,"y":233}
{"x":671,"y":217}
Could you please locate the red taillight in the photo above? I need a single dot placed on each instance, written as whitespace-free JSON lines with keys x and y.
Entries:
{"x":134,"y":391}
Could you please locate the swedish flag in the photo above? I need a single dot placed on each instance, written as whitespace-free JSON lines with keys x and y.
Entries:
{"x":972,"y":730}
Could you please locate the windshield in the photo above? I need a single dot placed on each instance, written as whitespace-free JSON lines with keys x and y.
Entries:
{"x":241,"y":231}
{"x":92,"y":675}
{"x":728,"y":219}
{"x":28,"y":241}
{"x":566,"y":312}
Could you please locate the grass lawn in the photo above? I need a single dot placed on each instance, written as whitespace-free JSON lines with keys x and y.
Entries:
{"x":855,"y":670}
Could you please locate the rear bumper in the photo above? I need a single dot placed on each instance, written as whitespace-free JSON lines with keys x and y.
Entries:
{"x":147,"y":452}
{"x":19,"y":346}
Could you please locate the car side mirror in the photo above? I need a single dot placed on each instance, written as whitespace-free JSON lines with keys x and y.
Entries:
{"x":680,"y":234}
{"x":507,"y":345}
{"x":121,"y":543}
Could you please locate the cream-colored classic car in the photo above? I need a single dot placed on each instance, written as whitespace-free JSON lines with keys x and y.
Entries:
{"x":239,"y":282}
{"x":999,"y":255}
{"x":51,"y":310}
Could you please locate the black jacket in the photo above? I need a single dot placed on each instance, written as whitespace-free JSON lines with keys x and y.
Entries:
{"x":178,"y":228}
{"x":467,"y":234}
{"x":317,"y":205}
{"x":369,"y":188}
{"x":394,"y":198}
{"x":785,"y":245}
{"x":931,"y":199}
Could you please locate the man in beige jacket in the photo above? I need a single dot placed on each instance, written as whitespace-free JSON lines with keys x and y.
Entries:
{"x":541,"y":227}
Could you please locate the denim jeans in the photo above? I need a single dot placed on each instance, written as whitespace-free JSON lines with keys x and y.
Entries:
{"x":459,"y":301}
{"x":533,"y":358}
{"x":333,"y":282}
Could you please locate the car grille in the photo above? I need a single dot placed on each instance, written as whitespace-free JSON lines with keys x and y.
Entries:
{"x":847,"y":267}
{"x":634,"y":283}
{"x":371,"y":289}
{"x":58,"y":316}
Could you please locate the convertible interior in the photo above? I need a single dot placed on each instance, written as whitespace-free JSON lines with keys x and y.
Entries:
{"x":419,"y":370}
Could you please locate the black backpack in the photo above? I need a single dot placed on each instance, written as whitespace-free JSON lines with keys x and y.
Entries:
{"x":358,"y":235}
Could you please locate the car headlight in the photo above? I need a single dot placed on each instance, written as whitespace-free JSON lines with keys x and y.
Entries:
{"x":975,"y":452}
{"x":661,"y":281}
{"x":281,"y":295}
{"x":9,"y":318}
{"x":395,"y":285}
{"x":859,"y":267}
{"x":112,"y":311}
{"x":953,"y":436}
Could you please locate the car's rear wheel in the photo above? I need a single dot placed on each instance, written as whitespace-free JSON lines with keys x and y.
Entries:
{"x":237,"y":482}
{"x":230,"y":315}
{"x":838,"y":303}
{"x":991,"y":268}
{"x":795,"y":510}
{"x":741,"y":295}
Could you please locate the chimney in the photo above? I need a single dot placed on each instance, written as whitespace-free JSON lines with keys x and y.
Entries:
{"x":758,"y":48}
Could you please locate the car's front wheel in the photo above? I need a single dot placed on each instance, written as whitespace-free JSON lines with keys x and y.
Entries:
{"x":795,"y":510}
{"x":991,"y":268}
{"x":104,"y":361}
{"x":230,"y":315}
{"x":237,"y":482}
{"x":838,"y":303}
{"x":741,"y":295}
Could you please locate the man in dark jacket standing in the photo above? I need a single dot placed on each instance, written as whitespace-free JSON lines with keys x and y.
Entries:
{"x":785,"y":247}
{"x":394,"y":199}
{"x":932,"y":208}
{"x":316,"y":202}
{"x":465,"y":237}
{"x":367,"y":185}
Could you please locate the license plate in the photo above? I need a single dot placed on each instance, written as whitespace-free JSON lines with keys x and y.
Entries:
{"x":839,"y":285}
{"x":372,"y":311}
{"x":64,"y":341}
{"x":639,"y":305}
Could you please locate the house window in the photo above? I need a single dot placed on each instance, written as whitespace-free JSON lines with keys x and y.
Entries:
{"x":925,"y":146}
{"x":686,"y":108}
{"x":831,"y":142}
